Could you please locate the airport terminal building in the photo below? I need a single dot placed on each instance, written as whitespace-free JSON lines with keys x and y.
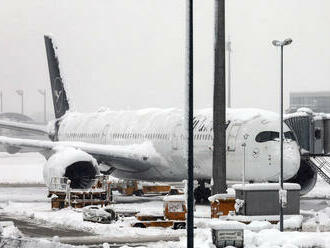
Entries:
{"x":319,"y":102}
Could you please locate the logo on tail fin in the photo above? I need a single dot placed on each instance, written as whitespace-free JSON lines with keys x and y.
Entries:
{"x":59,"y":96}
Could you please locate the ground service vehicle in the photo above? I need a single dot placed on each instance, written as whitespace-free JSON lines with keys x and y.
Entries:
{"x":174,"y":214}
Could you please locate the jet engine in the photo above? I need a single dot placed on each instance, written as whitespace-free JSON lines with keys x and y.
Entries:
{"x":306,"y":176}
{"x":78,"y":166}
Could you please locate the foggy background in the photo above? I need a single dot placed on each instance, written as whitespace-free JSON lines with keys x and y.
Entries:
{"x":130,"y":54}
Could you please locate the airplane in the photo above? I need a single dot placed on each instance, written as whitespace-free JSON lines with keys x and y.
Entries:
{"x":149,"y":144}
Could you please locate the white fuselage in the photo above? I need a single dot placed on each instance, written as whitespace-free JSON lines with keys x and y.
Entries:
{"x":164,"y":128}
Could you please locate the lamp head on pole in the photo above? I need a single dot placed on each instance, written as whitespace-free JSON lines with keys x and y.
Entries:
{"x":282,"y":43}
{"x":20,"y":92}
{"x":287,"y":42}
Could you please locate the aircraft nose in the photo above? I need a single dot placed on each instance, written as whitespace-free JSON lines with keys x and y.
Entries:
{"x":291,"y":159}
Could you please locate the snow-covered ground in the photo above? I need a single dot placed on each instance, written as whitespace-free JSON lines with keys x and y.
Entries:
{"x":321,"y":190}
{"x":31,"y":203}
{"x":21,"y":168}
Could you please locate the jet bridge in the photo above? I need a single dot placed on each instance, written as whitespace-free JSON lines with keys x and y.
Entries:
{"x":312,"y":131}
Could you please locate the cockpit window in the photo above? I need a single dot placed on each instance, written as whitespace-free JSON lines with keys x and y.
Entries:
{"x":271,"y":135}
{"x":267,"y":136}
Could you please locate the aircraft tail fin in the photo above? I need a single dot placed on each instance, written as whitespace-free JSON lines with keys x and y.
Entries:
{"x":60,"y":100}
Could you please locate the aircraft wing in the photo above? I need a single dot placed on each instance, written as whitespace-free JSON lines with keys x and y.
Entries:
{"x":136,"y":158}
{"x":25,"y":127}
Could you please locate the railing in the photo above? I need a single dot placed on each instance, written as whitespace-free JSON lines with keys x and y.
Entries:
{"x":99,"y":192}
{"x":61,"y":184}
{"x":322,"y":165}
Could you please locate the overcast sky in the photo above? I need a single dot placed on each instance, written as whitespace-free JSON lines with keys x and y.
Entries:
{"x":130,"y":54}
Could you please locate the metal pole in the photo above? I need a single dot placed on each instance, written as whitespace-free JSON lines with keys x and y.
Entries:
{"x":219,"y":102}
{"x":190,"y":215}
{"x":281,"y":140}
{"x":229,"y":74}
{"x":281,"y":44}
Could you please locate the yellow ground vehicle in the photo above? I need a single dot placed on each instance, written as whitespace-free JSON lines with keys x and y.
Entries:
{"x":62,"y":195}
{"x":174,"y":214}
{"x":133,"y":187}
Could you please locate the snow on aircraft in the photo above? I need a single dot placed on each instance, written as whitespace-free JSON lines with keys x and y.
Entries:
{"x":149,"y":144}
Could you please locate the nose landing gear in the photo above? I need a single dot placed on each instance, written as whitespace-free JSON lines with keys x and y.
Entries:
{"x":202,"y":193}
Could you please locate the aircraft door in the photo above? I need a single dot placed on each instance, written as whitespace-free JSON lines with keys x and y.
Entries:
{"x":232,"y":137}
{"x":105,"y":134}
{"x":177,"y":137}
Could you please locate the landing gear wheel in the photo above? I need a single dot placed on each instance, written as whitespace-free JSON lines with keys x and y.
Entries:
{"x":140,"y":225}
{"x":198,"y":195}
{"x":113,"y":216}
{"x":180,"y":226}
{"x":206,"y":195}
{"x":138,"y":193}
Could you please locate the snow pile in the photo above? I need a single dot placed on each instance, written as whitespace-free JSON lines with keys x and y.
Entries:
{"x":266,"y":186}
{"x":305,"y":110}
{"x":217,"y":197}
{"x":169,"y":198}
{"x":319,"y":222}
{"x":321,"y":190}
{"x":292,"y":223}
{"x":275,"y":238}
{"x":257,"y":226}
{"x":11,"y":232}
{"x":32,"y":243}
{"x":218,"y":224}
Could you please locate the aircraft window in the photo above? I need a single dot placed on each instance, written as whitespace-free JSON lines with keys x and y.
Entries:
{"x":267,"y":136}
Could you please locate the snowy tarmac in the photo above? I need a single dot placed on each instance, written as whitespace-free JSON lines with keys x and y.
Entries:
{"x":28,"y":206}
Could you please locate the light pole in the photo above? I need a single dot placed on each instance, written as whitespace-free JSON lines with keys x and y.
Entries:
{"x":21,"y":93}
{"x":281,"y":44}
{"x":43,"y":93}
{"x":1,"y":108}
{"x":189,"y":123}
